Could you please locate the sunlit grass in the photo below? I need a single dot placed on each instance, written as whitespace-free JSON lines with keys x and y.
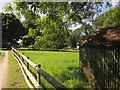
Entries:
{"x":63,"y":66}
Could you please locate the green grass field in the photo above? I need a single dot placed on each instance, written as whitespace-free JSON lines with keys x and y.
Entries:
{"x":63,"y":66}
{"x":15,"y":77}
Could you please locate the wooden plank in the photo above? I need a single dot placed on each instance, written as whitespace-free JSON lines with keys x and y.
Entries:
{"x":25,"y":77}
{"x":30,"y":62}
{"x":32,"y":79}
{"x":25,"y":58}
{"x":50,"y":79}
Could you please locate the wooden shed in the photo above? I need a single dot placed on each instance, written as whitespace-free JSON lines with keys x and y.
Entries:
{"x":100,"y":59}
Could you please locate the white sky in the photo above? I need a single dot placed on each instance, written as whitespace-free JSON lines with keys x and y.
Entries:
{"x":2,"y":3}
{"x":114,"y":2}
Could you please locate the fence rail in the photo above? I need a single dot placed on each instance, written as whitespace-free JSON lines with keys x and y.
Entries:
{"x":31,"y":81}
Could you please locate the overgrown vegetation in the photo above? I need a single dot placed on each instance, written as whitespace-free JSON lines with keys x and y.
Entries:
{"x":15,"y":77}
{"x":63,"y":66}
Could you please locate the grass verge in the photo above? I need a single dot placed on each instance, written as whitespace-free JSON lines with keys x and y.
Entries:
{"x":15,"y":77}
{"x":1,"y":55}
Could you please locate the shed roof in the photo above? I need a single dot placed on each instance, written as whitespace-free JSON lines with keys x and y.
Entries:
{"x":109,"y":37}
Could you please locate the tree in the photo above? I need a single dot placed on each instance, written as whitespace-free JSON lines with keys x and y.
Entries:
{"x":29,"y":39}
{"x":52,"y":37}
{"x":12,"y":30}
{"x":109,"y":19}
{"x":59,"y":16}
{"x":68,"y":12}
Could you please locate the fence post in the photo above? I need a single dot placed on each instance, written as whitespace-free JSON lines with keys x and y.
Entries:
{"x":38,"y":74}
{"x":28,"y":64}
{"x":23,"y":58}
{"x":20,"y":56}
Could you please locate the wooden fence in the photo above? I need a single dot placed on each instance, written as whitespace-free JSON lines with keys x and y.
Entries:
{"x":30,"y":79}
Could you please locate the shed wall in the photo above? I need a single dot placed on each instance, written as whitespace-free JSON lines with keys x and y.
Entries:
{"x":101,"y":67}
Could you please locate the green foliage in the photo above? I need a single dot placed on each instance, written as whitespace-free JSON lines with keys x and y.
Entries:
{"x":51,"y":39}
{"x":12,"y":29}
{"x":109,"y":19}
{"x":8,"y":7}
{"x":31,"y":27}
{"x":32,"y":33}
{"x":29,"y":39}
{"x":58,"y":17}
{"x":80,"y":34}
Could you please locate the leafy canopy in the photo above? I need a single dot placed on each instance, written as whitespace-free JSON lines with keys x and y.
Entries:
{"x":58,"y":17}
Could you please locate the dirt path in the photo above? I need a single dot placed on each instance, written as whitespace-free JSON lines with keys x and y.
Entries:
{"x":4,"y":70}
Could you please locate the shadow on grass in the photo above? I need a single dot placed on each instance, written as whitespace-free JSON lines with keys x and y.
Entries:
{"x":72,"y":78}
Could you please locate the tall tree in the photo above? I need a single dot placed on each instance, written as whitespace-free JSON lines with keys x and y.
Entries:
{"x":12,"y":29}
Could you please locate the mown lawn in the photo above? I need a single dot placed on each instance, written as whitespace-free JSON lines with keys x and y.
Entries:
{"x":15,"y":77}
{"x":63,"y":66}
